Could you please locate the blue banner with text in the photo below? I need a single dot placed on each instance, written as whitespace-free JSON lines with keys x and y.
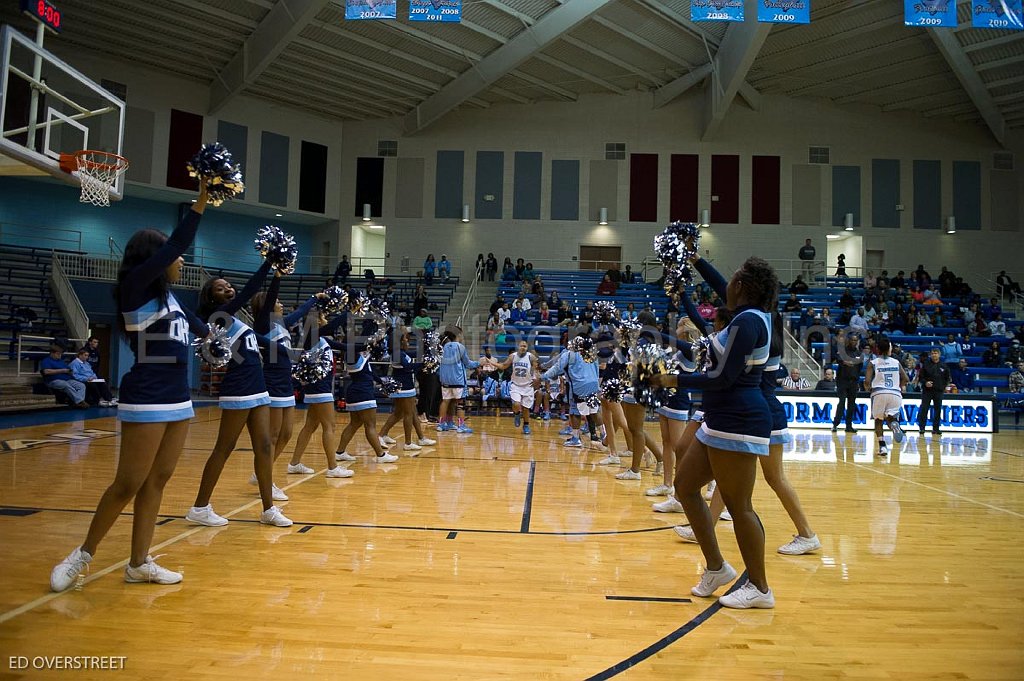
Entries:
{"x":435,"y":10}
{"x":931,"y":13}
{"x":371,"y":9}
{"x":716,"y":10}
{"x":997,"y":14}
{"x":784,"y":11}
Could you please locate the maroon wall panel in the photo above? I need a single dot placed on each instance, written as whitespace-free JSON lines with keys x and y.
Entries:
{"x":643,"y":187}
{"x":725,"y":184}
{"x":683,"y":197}
{"x":184,"y":140}
{"x":764,"y":201}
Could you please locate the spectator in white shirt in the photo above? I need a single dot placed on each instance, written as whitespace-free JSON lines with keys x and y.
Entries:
{"x":794,"y":382}
{"x":504,"y":313}
{"x":858,"y":323}
{"x":524,"y":302}
{"x":997,"y":327}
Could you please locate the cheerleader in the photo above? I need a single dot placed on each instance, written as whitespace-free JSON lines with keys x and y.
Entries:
{"x":361,"y":405}
{"x":612,"y":366}
{"x":244,"y":402}
{"x":737,"y":427}
{"x":403,"y":370}
{"x":155,"y":402}
{"x":805,"y":540}
{"x":319,"y":400}
{"x":455,"y":362}
{"x":639,"y":441}
{"x":277,"y":366}
{"x":582,"y":379}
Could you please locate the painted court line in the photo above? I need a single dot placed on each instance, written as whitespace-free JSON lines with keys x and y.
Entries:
{"x":528,"y":504}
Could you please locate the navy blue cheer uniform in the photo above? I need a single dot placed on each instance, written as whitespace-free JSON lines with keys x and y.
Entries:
{"x":277,"y":356}
{"x":780,"y":423}
{"x":243,"y":385}
{"x":155,"y":389}
{"x":678,"y":404}
{"x":359,"y":394}
{"x":323,"y":390}
{"x":404,"y":371}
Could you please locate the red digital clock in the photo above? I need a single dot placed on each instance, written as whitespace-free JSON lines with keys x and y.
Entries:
{"x":43,"y":11}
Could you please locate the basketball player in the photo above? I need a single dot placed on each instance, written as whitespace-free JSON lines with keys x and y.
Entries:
{"x":521,"y":390}
{"x":887,"y":380}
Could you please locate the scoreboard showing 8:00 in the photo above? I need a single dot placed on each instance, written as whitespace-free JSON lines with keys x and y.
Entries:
{"x":43,"y":11}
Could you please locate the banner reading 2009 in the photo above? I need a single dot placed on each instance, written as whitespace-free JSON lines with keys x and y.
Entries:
{"x":435,"y":10}
{"x":997,"y":14}
{"x":371,"y":9}
{"x":931,"y":13}
{"x":716,"y":10}
{"x":784,"y":11}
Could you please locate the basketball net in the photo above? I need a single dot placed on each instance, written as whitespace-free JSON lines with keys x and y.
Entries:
{"x":97,"y":170}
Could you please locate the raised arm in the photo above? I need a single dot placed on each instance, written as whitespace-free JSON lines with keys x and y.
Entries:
{"x":711,"y":275}
{"x":262,"y":322}
{"x":139,"y":279}
{"x":694,"y":315}
{"x":299,"y":313}
{"x":254,"y":284}
{"x":732,"y":360}
{"x":197,"y":326}
{"x":466,"y":361}
{"x":558,"y":368}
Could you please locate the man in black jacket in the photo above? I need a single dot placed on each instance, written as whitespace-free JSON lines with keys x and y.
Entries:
{"x":934,"y":378}
{"x":806,"y":254}
{"x":847,"y":383}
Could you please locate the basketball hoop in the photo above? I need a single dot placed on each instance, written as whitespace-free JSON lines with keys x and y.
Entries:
{"x":98,"y":171}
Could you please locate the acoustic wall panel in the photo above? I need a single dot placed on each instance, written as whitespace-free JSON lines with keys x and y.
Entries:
{"x":448,"y":184}
{"x":643,"y":187}
{"x":684,"y":181}
{"x":183,"y":141}
{"x":845,"y":194}
{"x":1005,"y":191}
{"x":967,"y":194}
{"x":927,"y":195}
{"x":490,"y":182}
{"x":274,"y":169}
{"x":409,"y":187}
{"x":766,"y":184}
{"x":807,"y":194}
{"x":885,"y":192}
{"x":526,"y":185}
{"x":236,"y":138}
{"x":369,"y":185}
{"x":604,"y":189}
{"x":565,"y":190}
{"x":725,"y":184}
{"x":313,"y":177}
{"x":139,"y":128}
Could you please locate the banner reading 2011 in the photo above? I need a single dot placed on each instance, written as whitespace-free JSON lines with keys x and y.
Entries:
{"x":784,"y":11}
{"x":716,"y":10}
{"x":371,"y":9}
{"x":435,"y":10}
{"x":933,"y":13}
{"x":997,"y":14}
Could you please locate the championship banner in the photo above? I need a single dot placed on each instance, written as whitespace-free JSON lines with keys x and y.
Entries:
{"x":960,"y":413}
{"x":435,"y":10}
{"x":932,"y":13}
{"x":371,"y":9}
{"x":784,"y":11}
{"x":997,"y":14}
{"x":716,"y":10}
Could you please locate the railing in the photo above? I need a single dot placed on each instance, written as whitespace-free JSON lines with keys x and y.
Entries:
{"x":17,"y":234}
{"x":22,"y":352}
{"x":798,"y":354}
{"x":75,"y":318}
{"x":115,"y":249}
{"x":470,"y":297}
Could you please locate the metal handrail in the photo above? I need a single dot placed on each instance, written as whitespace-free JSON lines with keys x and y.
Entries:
{"x":75,"y":318}
{"x":805,"y":358}
{"x":470,"y":297}
{"x":17,"y":234}
{"x":114,"y":248}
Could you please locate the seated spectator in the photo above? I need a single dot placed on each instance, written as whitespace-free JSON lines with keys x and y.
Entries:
{"x":420,"y":301}
{"x":520,"y":268}
{"x":423,"y":320}
{"x":997,"y":327}
{"x":917,"y":295}
{"x":528,"y":275}
{"x":646,"y":317}
{"x":1007,"y":286}
{"x":544,"y":316}
{"x":523,"y":302}
{"x":504,"y":313}
{"x":518,"y":314}
{"x":870,"y":281}
{"x":1015,"y":354}
{"x":979,"y":326}
{"x":858,"y":323}
{"x":992,"y":309}
{"x":57,"y":376}
{"x":913,"y":374}
{"x":629,"y":313}
{"x":93,"y":346}
{"x":1016,"y":381}
{"x":962,"y":377}
{"x":444,"y":268}
{"x":607,"y":287}
{"x":993,"y":357}
{"x":827,"y":382}
{"x":898,"y":281}
{"x":554,"y":300}
{"x":342,"y":271}
{"x":794,"y":382}
{"x":799,"y":285}
{"x":538,"y":287}
{"x":495,"y":329}
{"x":96,"y":390}
{"x":923,"y":320}
{"x":565,"y":317}
{"x":613,"y":274}
{"x":627,"y":275}
{"x":509,"y":271}
{"x":950,"y":351}
{"x":870,"y":314}
{"x":706,"y":309}
{"x":792,"y":305}
{"x":847,"y":299}
{"x":826,"y":318}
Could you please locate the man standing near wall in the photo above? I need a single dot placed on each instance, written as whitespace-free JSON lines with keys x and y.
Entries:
{"x":848,"y":382}
{"x":806,"y":254}
{"x":934,"y":379}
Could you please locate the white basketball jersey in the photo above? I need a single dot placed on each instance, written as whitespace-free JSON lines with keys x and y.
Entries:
{"x":522,"y":369}
{"x":887,"y":376}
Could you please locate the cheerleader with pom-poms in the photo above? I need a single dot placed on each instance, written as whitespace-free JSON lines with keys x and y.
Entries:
{"x":155,"y":401}
{"x":578,"y":364}
{"x":361,"y":405}
{"x":403,"y":370}
{"x":244,"y":401}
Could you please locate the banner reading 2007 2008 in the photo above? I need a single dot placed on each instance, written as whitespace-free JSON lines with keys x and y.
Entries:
{"x":435,"y":10}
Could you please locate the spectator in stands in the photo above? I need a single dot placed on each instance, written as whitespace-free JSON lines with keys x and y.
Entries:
{"x":508,"y":270}
{"x":342,"y":271}
{"x":480,"y":267}
{"x":993,"y":357}
{"x":607,"y":287}
{"x":706,"y":309}
{"x":423,"y":320}
{"x":923,"y":320}
{"x":491,"y":266}
{"x":93,"y":346}
{"x":841,"y":265}
{"x":898,"y":281}
{"x":962,"y":377}
{"x":951,"y":352}
{"x":870,"y":314}
{"x":859,"y":323}
{"x":979,"y":326}
{"x":806,"y":255}
{"x":870,"y":281}
{"x":934,"y":379}
{"x":792,"y":304}
{"x":930,"y":296}
{"x":847,"y":299}
{"x":528,"y":274}
{"x":420,"y":301}
{"x":544,"y":316}
{"x":799,"y":285}
{"x":495,"y":328}
{"x":883,"y":279}
{"x":920,"y":275}
{"x":1015,"y":354}
{"x":429,"y":269}
{"x":564,"y":313}
{"x":389,"y":296}
{"x":57,"y":376}
{"x":504,"y":313}
{"x":646,"y":317}
{"x":96,"y":390}
{"x":1016,"y":380}
{"x":538,"y":287}
{"x":913,"y":373}
{"x":523,"y":302}
{"x":992,"y":309}
{"x":519,"y":315}
{"x":444,"y":268}
{"x":795,"y":382}
{"x":629,"y":313}
{"x":826,"y":318}
{"x":997,"y":327}
{"x":627,"y":275}
{"x":499,"y":300}
{"x":614,"y":274}
{"x":827,"y":382}
{"x":1007,"y":286}
{"x":520,"y":268}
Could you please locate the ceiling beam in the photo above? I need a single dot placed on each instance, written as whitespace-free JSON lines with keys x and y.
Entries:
{"x":282,"y":24}
{"x":998,"y":63}
{"x":732,"y":62}
{"x":502,"y":61}
{"x":643,"y":42}
{"x":667,"y":93}
{"x":960,"y":63}
{"x":1003,"y":82}
{"x":994,"y":42}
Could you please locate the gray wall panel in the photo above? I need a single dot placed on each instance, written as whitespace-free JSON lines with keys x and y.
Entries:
{"x":489,"y":187}
{"x":409,"y":187}
{"x":604,"y":189}
{"x":451,"y":173}
{"x":565,"y":190}
{"x":807,"y":194}
{"x":273,"y":169}
{"x":885,"y":192}
{"x":139,"y":127}
{"x":845,"y":194}
{"x":1004,"y":189}
{"x":927,"y":195}
{"x":526,"y":187}
{"x":967,"y":194}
